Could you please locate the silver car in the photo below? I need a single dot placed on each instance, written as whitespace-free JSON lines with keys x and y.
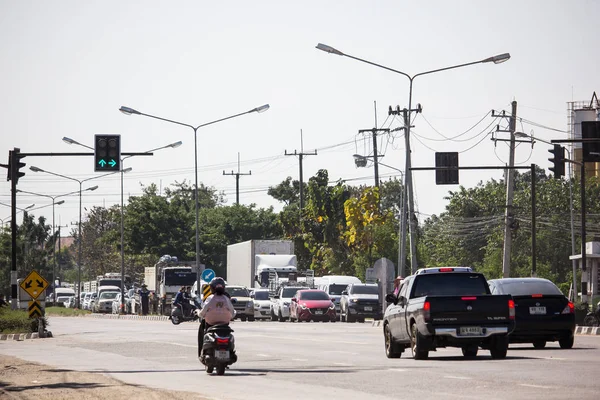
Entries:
{"x":105,"y":302}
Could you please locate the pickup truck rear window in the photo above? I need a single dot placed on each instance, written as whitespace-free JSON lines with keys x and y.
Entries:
{"x":449,"y":284}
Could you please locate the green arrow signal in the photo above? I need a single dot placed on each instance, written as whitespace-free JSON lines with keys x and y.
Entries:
{"x":112,"y":163}
{"x":102,"y":163}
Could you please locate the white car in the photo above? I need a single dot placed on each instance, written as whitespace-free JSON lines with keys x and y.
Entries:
{"x":105,"y":302}
{"x":262,"y":303}
{"x":280,"y":306}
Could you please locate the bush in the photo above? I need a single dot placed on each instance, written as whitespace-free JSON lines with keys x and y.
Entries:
{"x":18,"y":321}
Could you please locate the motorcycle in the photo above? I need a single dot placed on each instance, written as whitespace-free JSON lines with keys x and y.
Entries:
{"x":218,"y":349}
{"x":593,"y":317}
{"x":178,"y":316}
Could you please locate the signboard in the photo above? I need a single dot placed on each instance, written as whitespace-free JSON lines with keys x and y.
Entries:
{"x":370,"y":275}
{"x":34,"y":284}
{"x":205,"y":291}
{"x":207,"y":275}
{"x":35,"y":309}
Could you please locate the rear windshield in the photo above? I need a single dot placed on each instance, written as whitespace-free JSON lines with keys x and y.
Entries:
{"x":337,"y":289}
{"x":364,"y":290}
{"x":449,"y":284}
{"x":523,"y":288}
{"x":316,"y":295}
{"x":288,"y":293}
{"x":262,"y":295}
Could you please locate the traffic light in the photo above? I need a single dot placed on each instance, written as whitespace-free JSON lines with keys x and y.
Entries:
{"x":15,"y":165}
{"x":446,"y":176}
{"x":107,"y":153}
{"x":558,"y":160}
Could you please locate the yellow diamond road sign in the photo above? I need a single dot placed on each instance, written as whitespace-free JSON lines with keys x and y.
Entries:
{"x":34,"y":284}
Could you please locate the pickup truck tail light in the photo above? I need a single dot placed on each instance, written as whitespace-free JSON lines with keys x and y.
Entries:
{"x":569,"y":309}
{"x":426,"y":311}
{"x":511,"y":309}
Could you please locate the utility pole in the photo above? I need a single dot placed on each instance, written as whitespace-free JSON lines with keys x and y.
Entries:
{"x":237,"y":180}
{"x":508,"y":213}
{"x":374,"y":133}
{"x":300,"y":157}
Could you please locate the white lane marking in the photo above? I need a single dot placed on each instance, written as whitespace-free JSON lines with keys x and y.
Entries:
{"x":341,"y":351}
{"x":457,"y":377}
{"x":299,"y":359}
{"x":397,"y":370}
{"x":344,"y":364}
{"x":535,"y":386}
{"x":551,"y":358}
{"x":262,"y":355}
{"x":175,"y":344}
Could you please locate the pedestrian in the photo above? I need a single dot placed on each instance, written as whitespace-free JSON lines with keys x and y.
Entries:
{"x":144,"y":298}
{"x":154,"y":302}
{"x":397,"y":284}
{"x":3,"y":302}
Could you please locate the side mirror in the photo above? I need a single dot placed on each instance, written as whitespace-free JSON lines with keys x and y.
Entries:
{"x":276,"y":296}
{"x":402,"y":301}
{"x":252,"y":296}
{"x":345,"y":293}
{"x":294,"y":299}
{"x":233,"y":300}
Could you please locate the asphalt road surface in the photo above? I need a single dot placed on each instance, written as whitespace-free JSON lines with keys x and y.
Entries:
{"x":309,"y":361}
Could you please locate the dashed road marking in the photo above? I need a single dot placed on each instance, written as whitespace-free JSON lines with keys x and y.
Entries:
{"x":263,"y":355}
{"x":536,"y":386}
{"x":299,"y":359}
{"x":344,"y":364}
{"x":457,"y":377}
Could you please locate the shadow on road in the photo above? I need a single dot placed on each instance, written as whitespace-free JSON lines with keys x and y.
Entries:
{"x":478,"y":358}
{"x":63,"y":385}
{"x":551,"y":348}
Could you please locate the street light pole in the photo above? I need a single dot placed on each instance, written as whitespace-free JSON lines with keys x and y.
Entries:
{"x":130,"y":111}
{"x":408,"y":172}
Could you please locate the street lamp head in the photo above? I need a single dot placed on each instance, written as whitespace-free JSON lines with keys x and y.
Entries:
{"x":175,"y":145}
{"x":36,"y":169}
{"x":328,"y":49}
{"x":92,"y":188}
{"x":521,"y":134}
{"x":128,"y":111}
{"x":68,"y":140}
{"x":500,"y":58}
{"x":126,"y":170}
{"x":28,"y":207}
{"x":261,"y":109}
{"x":360,"y":161}
{"x":59,"y":202}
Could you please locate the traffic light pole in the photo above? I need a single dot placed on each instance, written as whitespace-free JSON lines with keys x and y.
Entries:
{"x":533,"y":202}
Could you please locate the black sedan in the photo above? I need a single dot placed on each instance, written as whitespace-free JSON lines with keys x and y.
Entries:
{"x":543,"y":313}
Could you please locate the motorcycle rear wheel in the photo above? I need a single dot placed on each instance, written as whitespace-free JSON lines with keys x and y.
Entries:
{"x":209,"y":369}
{"x":221,"y":369}
{"x":175,"y":320}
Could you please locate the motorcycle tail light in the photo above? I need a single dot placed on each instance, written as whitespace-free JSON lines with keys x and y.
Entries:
{"x":222,"y":341}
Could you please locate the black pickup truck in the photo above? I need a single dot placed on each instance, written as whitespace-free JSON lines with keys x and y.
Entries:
{"x":447,"y":307}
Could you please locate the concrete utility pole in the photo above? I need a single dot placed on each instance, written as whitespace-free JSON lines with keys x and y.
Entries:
{"x":237,"y":180}
{"x":374,"y":133}
{"x":508,"y":213}
{"x":300,"y":157}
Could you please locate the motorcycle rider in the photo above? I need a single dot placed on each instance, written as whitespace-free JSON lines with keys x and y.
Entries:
{"x":181,"y":300}
{"x":217,"y":310}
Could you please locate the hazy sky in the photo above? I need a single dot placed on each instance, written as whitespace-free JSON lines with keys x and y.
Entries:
{"x":67,"y":66}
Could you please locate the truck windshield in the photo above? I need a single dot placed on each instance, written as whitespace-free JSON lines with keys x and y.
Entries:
{"x":449,"y":284}
{"x":365,"y":290}
{"x":179,"y":277}
{"x":109,"y":282}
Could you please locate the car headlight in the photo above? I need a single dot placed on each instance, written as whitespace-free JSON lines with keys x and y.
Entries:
{"x":354,"y":300}
{"x":250,"y":304}
{"x":256,"y":306}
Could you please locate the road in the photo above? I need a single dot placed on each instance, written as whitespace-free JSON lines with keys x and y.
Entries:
{"x":309,"y":360}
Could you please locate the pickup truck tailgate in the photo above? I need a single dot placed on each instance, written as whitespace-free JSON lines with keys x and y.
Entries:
{"x":469,"y":310}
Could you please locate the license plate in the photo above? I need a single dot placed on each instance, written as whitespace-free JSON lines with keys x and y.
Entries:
{"x":222,"y":354}
{"x":318,"y":312}
{"x":537,"y":310}
{"x":367,"y":308}
{"x":470,"y":331}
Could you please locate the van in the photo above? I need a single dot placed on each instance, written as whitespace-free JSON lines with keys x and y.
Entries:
{"x":334,"y":285}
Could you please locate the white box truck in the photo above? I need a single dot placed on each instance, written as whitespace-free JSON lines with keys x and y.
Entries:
{"x":251,"y":263}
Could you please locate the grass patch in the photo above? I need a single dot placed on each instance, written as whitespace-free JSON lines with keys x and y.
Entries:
{"x":66,"y":312}
{"x":18,"y":321}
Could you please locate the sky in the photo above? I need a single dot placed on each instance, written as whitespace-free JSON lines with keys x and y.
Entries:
{"x":67,"y":66}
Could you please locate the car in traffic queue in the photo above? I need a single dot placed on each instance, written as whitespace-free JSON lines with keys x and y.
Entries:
{"x":262,"y":303}
{"x":543,"y":312}
{"x":116,"y":305}
{"x":312,"y":305}
{"x":105,"y":302}
{"x":243,"y":305}
{"x":88,"y":300}
{"x":334,"y":285}
{"x":360,"y":301}
{"x":280,"y":303}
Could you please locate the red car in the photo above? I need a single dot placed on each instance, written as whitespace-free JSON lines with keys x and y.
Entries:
{"x":312,"y":305}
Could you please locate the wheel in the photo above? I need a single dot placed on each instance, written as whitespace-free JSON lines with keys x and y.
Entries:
{"x":221,"y":369}
{"x":591,"y":320}
{"x":539,"y":344}
{"x":417,"y":344}
{"x":391,"y":349}
{"x":567,"y":342}
{"x":362,"y":320}
{"x":350,"y":318}
{"x":251,"y":319}
{"x":243,"y":319}
{"x":499,"y":347}
{"x":281,"y":319}
{"x":273,"y":316}
{"x":175,"y":320}
{"x":209,"y":369}
{"x":342,"y":316}
{"x":470,"y":351}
